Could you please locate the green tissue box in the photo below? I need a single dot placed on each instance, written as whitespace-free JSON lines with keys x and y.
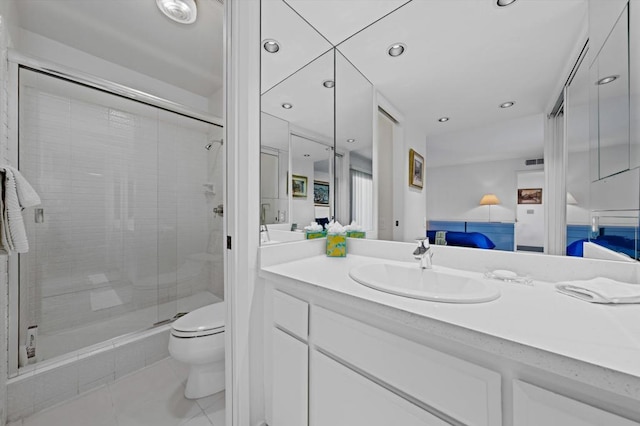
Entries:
{"x":315,"y":234}
{"x":336,"y":245}
{"x":357,"y":234}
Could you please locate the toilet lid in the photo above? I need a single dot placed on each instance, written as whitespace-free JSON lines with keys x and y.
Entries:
{"x":208,"y":317}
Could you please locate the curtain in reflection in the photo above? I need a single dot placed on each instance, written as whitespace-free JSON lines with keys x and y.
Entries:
{"x":362,"y":199}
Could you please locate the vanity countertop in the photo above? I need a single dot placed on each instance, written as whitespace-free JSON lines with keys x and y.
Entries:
{"x":596,"y":344}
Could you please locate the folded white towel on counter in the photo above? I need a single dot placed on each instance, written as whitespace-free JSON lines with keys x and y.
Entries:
{"x":601,"y":290}
{"x":16,"y":195}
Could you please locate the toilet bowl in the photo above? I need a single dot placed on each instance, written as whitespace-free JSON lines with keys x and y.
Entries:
{"x":197,"y":339}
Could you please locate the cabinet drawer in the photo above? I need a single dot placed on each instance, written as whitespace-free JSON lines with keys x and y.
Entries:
{"x":291,"y":314}
{"x":534,"y":406}
{"x":459,"y":389}
{"x":342,"y":397}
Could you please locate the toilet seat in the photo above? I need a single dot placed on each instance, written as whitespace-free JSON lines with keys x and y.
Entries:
{"x":205,"y":321}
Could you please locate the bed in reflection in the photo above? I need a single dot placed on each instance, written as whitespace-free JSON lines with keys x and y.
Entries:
{"x":463,"y":239}
{"x":483,"y":235}
{"x":621,"y":239}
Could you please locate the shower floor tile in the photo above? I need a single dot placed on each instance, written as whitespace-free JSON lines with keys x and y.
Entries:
{"x":152,"y":396}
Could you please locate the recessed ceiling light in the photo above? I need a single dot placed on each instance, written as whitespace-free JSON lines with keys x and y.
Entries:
{"x":396,"y":49}
{"x":328,"y":84}
{"x":271,"y":46}
{"x":182,"y":11}
{"x":287,"y":105}
{"x":607,"y":80}
{"x":443,"y":119}
{"x":507,"y":104}
{"x":351,"y":140}
{"x":503,"y":3}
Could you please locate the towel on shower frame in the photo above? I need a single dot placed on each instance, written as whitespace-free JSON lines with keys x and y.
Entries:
{"x":17,"y":194}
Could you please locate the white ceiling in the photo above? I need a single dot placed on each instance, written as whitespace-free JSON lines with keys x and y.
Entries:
{"x":136,"y":35}
{"x":463,"y":59}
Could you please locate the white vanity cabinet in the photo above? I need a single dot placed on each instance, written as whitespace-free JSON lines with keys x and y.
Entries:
{"x":332,"y":365}
{"x":535,"y":406}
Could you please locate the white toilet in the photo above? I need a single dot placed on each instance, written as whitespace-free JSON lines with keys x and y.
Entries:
{"x":197,"y":339}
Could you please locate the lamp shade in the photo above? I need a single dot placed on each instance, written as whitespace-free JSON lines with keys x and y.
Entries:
{"x":489,"y":200}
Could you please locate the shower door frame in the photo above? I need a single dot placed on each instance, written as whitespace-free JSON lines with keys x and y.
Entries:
{"x":17,"y":60}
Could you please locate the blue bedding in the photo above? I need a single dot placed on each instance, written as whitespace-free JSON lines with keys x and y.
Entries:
{"x":612,"y":242}
{"x":464,"y":239}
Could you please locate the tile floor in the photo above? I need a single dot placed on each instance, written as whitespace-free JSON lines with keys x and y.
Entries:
{"x":153,"y":396}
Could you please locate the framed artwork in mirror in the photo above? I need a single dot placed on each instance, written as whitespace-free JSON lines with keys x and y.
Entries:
{"x":320,"y":193}
{"x":530,"y":196}
{"x":299,"y":186}
{"x":416,"y":169}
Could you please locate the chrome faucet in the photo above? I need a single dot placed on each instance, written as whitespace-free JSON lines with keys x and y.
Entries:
{"x":264,"y":234}
{"x":423,"y":253}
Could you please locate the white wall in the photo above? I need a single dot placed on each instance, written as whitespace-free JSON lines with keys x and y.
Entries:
{"x":384,"y":155}
{"x":578,"y":185}
{"x":7,"y":37}
{"x":530,"y":225}
{"x":454,"y":192}
{"x":415,"y":199}
{"x":303,"y":212}
{"x":43,"y":48}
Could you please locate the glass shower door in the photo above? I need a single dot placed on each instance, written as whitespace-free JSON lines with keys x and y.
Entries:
{"x":126,"y":235}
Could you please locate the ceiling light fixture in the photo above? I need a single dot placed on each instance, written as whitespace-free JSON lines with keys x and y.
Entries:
{"x":503,"y":3}
{"x":271,"y":46}
{"x":396,"y":49}
{"x":507,"y":104}
{"x":182,"y":11}
{"x":606,"y":80}
{"x":351,"y":140}
{"x":328,"y":84}
{"x":287,"y":105}
{"x":443,"y":119}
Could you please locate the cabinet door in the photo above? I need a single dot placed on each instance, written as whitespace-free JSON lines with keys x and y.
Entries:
{"x":290,"y":380}
{"x":342,"y":397}
{"x":613,"y":100}
{"x":534,"y":406}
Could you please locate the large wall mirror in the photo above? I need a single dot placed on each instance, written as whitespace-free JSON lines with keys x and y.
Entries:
{"x":512,"y":111}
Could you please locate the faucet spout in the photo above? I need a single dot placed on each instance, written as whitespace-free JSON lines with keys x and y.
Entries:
{"x":423,"y":254}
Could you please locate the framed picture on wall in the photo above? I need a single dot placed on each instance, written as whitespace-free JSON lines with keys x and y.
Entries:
{"x":299,"y":186}
{"x":530,"y":196}
{"x":416,"y":169}
{"x":320,"y":193}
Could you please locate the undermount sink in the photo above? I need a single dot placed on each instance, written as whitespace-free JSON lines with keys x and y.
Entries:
{"x":426,"y":284}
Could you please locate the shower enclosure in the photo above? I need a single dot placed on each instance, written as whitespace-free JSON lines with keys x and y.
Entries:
{"x":126,"y":236}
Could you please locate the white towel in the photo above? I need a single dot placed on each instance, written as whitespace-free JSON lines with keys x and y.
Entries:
{"x":16,"y":194}
{"x":601,"y":290}
{"x":26,"y":194}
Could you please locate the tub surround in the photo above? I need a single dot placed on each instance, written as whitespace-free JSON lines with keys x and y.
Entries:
{"x":535,"y":328}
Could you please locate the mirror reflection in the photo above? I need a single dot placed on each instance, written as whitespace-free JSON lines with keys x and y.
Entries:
{"x":512,"y":161}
